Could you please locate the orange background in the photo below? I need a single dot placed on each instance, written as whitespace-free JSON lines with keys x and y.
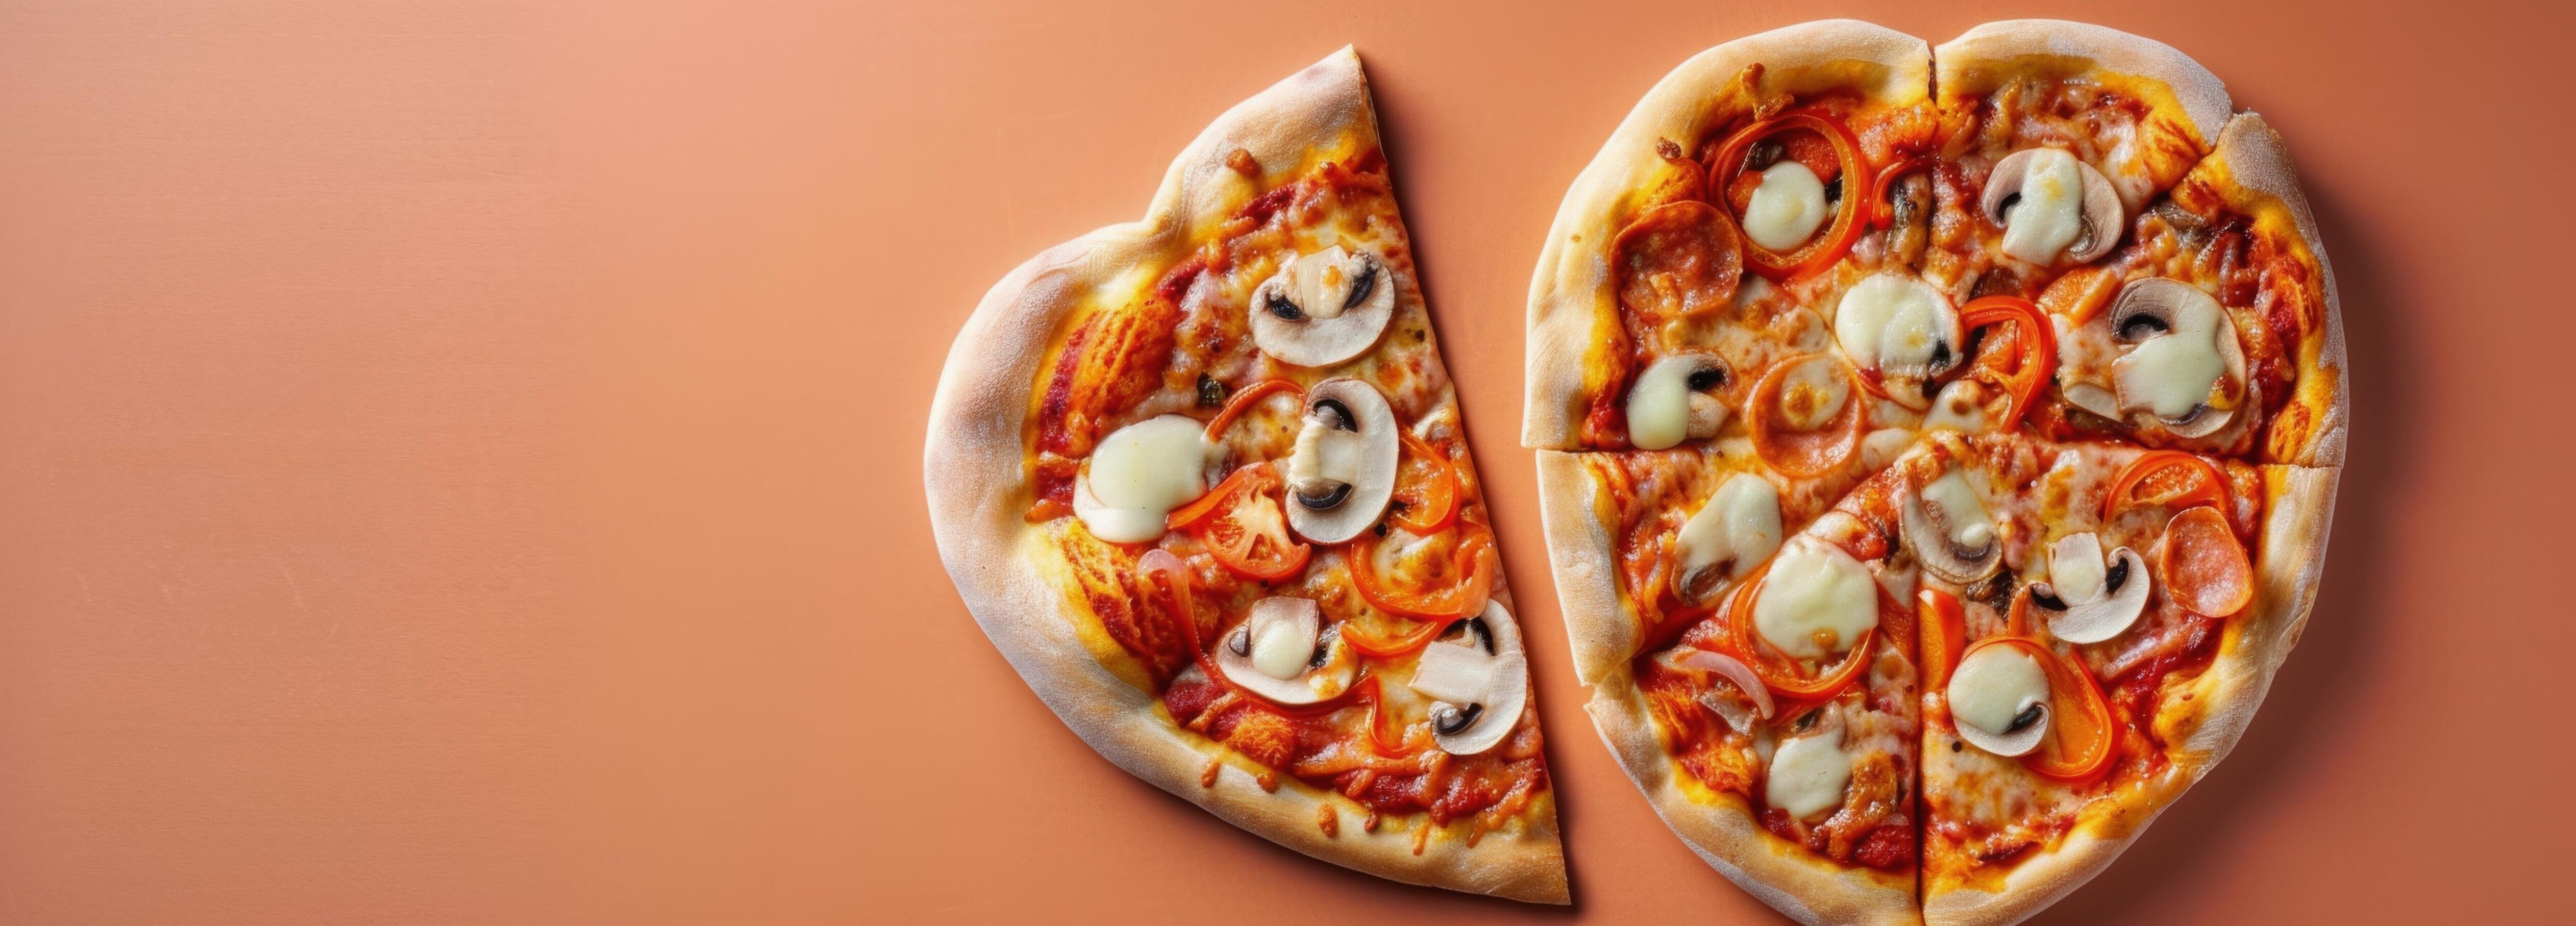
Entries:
{"x":460,"y":462}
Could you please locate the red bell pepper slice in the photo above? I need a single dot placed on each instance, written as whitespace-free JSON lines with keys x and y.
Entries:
{"x":1823,"y":250}
{"x":1782,"y":679}
{"x":1474,"y":564}
{"x":1427,"y":485}
{"x":2170,"y":478}
{"x":2019,"y":358}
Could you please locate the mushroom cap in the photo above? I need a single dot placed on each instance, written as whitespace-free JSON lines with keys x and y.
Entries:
{"x":2108,"y":615}
{"x":1373,"y":485}
{"x":1929,"y":531}
{"x":1999,"y":683}
{"x":1659,"y":404}
{"x":2182,"y":310}
{"x":2104,"y":217}
{"x":1314,"y":340}
{"x":1315,"y":682}
{"x":1506,"y":692}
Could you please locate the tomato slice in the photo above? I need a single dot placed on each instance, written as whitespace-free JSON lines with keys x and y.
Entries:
{"x":1882,"y":210}
{"x":1823,"y":250}
{"x":2170,"y":478}
{"x":2205,"y":569}
{"x":1782,"y":679}
{"x":1805,"y":454}
{"x":1244,"y":399}
{"x":1472,"y":567}
{"x":1242,"y":525}
{"x":1427,"y":485}
{"x":1945,"y":635}
{"x":2019,"y":358}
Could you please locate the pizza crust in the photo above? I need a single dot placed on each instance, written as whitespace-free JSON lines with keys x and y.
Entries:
{"x":1967,"y":64}
{"x":975,"y":471}
{"x":1720,"y":827}
{"x":1572,"y":293}
{"x":1599,"y":627}
{"x":2298,"y":516}
{"x":2258,"y":162}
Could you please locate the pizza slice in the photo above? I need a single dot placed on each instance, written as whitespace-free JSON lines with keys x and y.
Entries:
{"x":1203,"y":480}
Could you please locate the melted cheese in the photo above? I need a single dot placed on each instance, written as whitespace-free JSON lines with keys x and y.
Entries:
{"x":1815,"y":589}
{"x":1325,"y":452}
{"x":1970,"y":524}
{"x":1787,"y":207}
{"x":1659,"y":405}
{"x":1808,"y":775}
{"x":2075,"y":568}
{"x":1139,"y":474}
{"x":1895,"y":323}
{"x":1284,"y":631}
{"x":1741,"y":523}
{"x":2050,"y":214}
{"x":1994,"y":685}
{"x":2174,"y":372}
{"x":1959,"y":407}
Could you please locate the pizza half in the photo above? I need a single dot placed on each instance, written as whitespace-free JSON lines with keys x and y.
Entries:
{"x":1203,"y":480}
{"x":1936,"y":448}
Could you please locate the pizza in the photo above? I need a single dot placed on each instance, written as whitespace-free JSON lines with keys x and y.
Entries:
{"x":1937,"y":448}
{"x":1203,"y":480}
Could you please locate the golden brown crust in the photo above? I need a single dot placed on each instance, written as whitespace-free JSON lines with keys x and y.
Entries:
{"x":1571,"y":296}
{"x":2251,"y":160}
{"x":1584,"y":553}
{"x":977,"y":476}
{"x":1984,"y":57}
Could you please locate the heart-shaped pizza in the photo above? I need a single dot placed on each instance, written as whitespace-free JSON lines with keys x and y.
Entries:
{"x":1937,"y":447}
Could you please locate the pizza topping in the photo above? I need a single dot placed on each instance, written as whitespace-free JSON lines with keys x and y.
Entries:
{"x":1479,"y":685}
{"x":1323,"y":308}
{"x":1138,"y":474}
{"x":1343,"y":470}
{"x":1672,"y":401}
{"x":2089,"y":602}
{"x":1803,"y":417}
{"x":1751,"y":701}
{"x":1901,"y":328}
{"x":1815,"y":600}
{"x":1809,"y":772}
{"x":1950,"y":531}
{"x":2170,"y":479}
{"x":1452,"y":586}
{"x":1678,"y":260}
{"x":1240,"y":525}
{"x":1282,"y":653}
{"x":1426,"y":488}
{"x":2050,"y":205}
{"x":2180,"y":359}
{"x":1787,"y":208}
{"x":1960,"y":407}
{"x":2084,"y":735}
{"x":1794,"y":195}
{"x":1943,"y":624}
{"x":1999,"y":697}
{"x":2018,"y":353}
{"x":2205,"y":567}
{"x":1738,"y":527}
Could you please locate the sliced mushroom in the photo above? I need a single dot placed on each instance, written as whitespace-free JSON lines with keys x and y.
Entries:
{"x":1343,"y":470}
{"x":1999,"y":698}
{"x":1479,"y":686}
{"x":1281,"y":652}
{"x":1323,"y":308}
{"x":2179,"y":357}
{"x":1138,"y":474}
{"x":1674,"y":400}
{"x":2115,"y":599}
{"x":2052,"y":207}
{"x":1736,"y":528}
{"x":1949,"y":530}
{"x":1901,"y":327}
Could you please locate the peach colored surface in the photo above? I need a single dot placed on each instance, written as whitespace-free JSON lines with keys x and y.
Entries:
{"x":459,"y":462}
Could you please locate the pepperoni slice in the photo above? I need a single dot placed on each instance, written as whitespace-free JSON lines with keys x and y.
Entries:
{"x":1678,"y":260}
{"x":2205,"y":568}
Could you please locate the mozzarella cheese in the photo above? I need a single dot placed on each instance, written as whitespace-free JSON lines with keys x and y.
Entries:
{"x":1994,"y":685}
{"x":1970,"y":524}
{"x":1895,"y":324}
{"x":1284,"y":631}
{"x":1808,"y":775}
{"x":2174,"y":372}
{"x":1741,"y":523}
{"x":1881,"y":447}
{"x":1959,"y":407}
{"x":1659,"y":405}
{"x":1138,"y":474}
{"x":1786,"y":208}
{"x":1815,"y":590}
{"x":2075,"y":568}
{"x":2050,"y":214}
{"x":1325,"y":452}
